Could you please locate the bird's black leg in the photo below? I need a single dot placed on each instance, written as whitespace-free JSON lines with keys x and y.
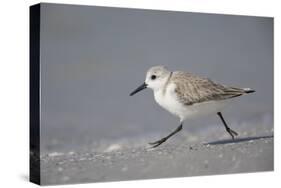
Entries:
{"x":230,"y":131}
{"x":162,"y":140}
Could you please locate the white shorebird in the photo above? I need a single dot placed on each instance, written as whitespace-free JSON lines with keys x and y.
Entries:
{"x":186,"y":95}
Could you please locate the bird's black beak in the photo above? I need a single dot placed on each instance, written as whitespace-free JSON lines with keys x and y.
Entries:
{"x":143,"y":86}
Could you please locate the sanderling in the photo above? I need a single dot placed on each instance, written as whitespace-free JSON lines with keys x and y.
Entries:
{"x":186,"y":95}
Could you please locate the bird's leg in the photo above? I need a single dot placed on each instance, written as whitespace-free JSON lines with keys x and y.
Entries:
{"x":230,"y":131}
{"x":162,"y":140}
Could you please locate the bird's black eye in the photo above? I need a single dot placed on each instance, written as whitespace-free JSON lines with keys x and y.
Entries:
{"x":153,"y":77}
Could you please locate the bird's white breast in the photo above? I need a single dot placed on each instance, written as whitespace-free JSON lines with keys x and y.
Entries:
{"x":168,"y":100}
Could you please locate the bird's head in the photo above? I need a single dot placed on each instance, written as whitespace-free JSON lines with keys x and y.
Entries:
{"x":156,"y":78}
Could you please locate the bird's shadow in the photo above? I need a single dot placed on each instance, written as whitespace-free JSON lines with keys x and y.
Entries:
{"x":237,"y":140}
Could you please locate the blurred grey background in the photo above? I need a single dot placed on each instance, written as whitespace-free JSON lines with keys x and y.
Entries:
{"x":93,"y":57}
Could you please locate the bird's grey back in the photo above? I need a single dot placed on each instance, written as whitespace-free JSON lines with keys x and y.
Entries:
{"x":193,"y":89}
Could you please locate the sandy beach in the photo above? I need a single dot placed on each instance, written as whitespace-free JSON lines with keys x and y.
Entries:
{"x":249,"y":154}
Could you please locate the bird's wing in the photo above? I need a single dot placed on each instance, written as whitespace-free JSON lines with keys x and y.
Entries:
{"x":192,"y":89}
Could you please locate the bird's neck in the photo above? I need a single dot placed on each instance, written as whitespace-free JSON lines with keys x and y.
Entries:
{"x":166,"y":83}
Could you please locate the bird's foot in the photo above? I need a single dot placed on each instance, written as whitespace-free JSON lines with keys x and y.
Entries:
{"x":232,"y":133}
{"x":158,"y":142}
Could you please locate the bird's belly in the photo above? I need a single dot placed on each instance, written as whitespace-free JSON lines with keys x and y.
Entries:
{"x":171,"y":104}
{"x":204,"y":108}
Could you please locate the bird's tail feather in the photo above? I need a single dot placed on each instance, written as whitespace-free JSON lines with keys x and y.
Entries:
{"x":235,"y":91}
{"x":248,"y":90}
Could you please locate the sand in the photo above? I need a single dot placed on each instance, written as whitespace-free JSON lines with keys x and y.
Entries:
{"x":249,"y":154}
